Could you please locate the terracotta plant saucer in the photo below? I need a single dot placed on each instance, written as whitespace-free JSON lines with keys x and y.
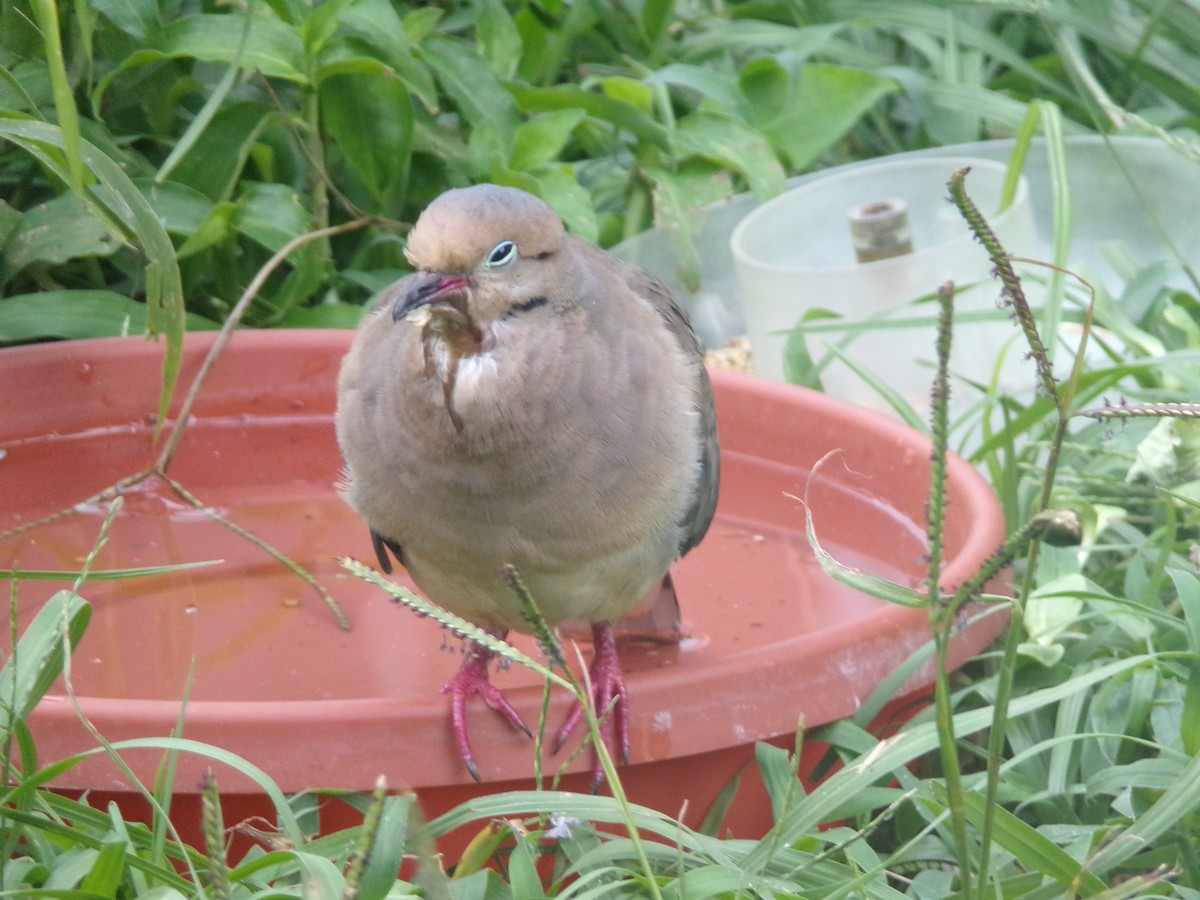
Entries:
{"x":276,"y":681}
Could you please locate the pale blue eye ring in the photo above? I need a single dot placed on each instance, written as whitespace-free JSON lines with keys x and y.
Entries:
{"x":500,"y":255}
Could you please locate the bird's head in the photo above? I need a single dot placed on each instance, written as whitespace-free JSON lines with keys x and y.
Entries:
{"x":482,"y":254}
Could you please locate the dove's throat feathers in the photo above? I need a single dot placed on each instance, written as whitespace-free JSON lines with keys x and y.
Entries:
{"x":449,"y":334}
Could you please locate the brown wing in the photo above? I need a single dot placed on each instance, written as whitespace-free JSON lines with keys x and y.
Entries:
{"x":699,"y":514}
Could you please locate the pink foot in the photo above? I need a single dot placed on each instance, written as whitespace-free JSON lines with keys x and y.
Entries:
{"x":608,"y":689}
{"x":472,"y":678}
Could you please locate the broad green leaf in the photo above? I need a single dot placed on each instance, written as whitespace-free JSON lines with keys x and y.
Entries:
{"x":764,"y":84}
{"x":217,"y":159}
{"x":370,"y":119}
{"x":656,"y":18}
{"x":621,"y":115}
{"x":319,"y":877}
{"x":481,"y":849}
{"x":756,"y":36}
{"x":1157,"y":459}
{"x":628,"y":90}
{"x":26,"y":87}
{"x":470,"y":83}
{"x":498,"y":38}
{"x":523,"y":877}
{"x":679,"y":197}
{"x":1044,"y":654}
{"x":271,"y":215}
{"x":487,"y":150}
{"x":714,"y":85}
{"x":570,"y":200}
{"x":56,"y":231}
{"x":309,"y":271}
{"x":334,"y":64}
{"x":216,"y":228}
{"x":541,"y":139}
{"x":137,"y":18}
{"x":76,"y":314}
{"x":181,"y":209}
{"x":321,"y":23}
{"x":1054,"y":607}
{"x":271,"y":47}
{"x":374,"y":29}
{"x":733,"y":144}
{"x":218,"y":95}
{"x":823,"y":104}
{"x":420,"y":22}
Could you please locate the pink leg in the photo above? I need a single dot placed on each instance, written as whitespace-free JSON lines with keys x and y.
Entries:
{"x":472,"y":678}
{"x":608,"y":689}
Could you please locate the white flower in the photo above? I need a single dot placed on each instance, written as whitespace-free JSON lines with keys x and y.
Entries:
{"x":560,"y":827}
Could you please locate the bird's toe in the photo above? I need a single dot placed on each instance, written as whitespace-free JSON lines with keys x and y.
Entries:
{"x":471,"y":679}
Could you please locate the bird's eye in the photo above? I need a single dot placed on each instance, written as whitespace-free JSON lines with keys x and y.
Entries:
{"x":501,"y":255}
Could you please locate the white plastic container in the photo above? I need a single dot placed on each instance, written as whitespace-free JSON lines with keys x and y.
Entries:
{"x":795,"y":253}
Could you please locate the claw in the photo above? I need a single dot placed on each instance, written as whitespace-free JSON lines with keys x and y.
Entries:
{"x":608,"y":690}
{"x":472,"y":678}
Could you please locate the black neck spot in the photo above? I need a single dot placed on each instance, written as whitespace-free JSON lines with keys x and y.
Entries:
{"x":527,"y":305}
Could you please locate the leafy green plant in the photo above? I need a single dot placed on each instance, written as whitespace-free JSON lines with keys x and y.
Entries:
{"x":240,"y":129}
{"x":154,"y":160}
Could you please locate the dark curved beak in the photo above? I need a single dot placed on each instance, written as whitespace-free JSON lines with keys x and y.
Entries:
{"x":427,"y":288}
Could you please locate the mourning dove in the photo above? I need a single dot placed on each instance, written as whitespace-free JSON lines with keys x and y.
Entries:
{"x":526,"y":399}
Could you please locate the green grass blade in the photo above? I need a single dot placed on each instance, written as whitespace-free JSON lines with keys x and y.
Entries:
{"x":104,"y":574}
{"x":286,"y":818}
{"x":107,"y":870}
{"x":38,"y":658}
{"x":1168,"y":814}
{"x":46,"y":12}
{"x":125,"y":206}
{"x":1027,"y":844}
{"x":842,"y":787}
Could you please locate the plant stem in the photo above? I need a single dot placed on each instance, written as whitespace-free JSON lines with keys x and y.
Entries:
{"x":231,"y":323}
{"x":64,"y":100}
{"x":1013,"y":294}
{"x":941,"y":613}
